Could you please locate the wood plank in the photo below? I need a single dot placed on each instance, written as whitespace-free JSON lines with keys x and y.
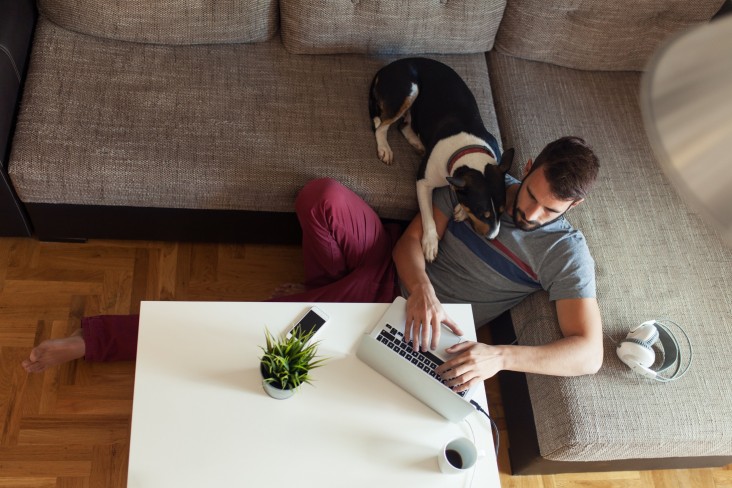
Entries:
{"x":27,"y":482}
{"x":74,"y":429}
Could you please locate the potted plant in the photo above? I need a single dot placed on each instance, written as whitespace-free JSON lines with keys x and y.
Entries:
{"x":287,"y":362}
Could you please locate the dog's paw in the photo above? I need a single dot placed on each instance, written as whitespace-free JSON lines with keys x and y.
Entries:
{"x":386,"y":156}
{"x":459,"y":213}
{"x":430,"y":245}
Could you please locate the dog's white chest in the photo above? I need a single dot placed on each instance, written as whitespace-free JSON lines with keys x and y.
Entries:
{"x":436,"y":169}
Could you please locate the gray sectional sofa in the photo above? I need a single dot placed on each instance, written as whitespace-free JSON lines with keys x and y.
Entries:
{"x":149,"y":120}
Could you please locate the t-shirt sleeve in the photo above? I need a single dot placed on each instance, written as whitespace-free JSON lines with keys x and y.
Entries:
{"x":442,"y":199}
{"x":510,"y":180}
{"x":569,"y":270}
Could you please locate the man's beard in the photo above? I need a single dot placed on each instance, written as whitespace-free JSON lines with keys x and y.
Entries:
{"x":520,"y":220}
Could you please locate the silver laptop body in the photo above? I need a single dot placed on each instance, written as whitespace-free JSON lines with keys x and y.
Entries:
{"x":385,"y":351}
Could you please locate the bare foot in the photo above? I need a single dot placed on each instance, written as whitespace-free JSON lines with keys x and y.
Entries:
{"x":55,"y":351}
{"x":288,"y":289}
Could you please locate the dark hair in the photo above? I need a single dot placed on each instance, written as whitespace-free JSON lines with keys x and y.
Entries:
{"x":570,"y":167}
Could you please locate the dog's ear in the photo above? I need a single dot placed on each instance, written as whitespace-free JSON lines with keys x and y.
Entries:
{"x":456,"y":182}
{"x":506,"y":160}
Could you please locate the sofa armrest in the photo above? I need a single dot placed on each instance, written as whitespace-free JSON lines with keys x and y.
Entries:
{"x":595,"y":35}
{"x":17,"y":20}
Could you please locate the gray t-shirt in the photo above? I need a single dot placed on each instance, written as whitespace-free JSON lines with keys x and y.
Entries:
{"x":496,"y":275}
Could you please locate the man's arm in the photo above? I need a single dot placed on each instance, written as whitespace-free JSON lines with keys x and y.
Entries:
{"x":423,"y":307}
{"x":578,"y":352}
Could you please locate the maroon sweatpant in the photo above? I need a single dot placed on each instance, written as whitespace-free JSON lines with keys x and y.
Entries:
{"x":347,"y":254}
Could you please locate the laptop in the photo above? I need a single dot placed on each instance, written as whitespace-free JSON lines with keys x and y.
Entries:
{"x":385,"y":350}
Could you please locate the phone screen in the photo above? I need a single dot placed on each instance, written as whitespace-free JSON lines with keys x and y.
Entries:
{"x":310,"y":322}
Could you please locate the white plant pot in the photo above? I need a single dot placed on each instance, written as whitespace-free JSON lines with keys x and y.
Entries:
{"x":275,"y":392}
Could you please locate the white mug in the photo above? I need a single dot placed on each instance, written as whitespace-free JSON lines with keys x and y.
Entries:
{"x":458,"y":456}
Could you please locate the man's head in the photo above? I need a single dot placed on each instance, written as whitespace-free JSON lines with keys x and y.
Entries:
{"x":558,"y":180}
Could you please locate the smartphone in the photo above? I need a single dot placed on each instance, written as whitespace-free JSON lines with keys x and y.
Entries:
{"x":312,"y":320}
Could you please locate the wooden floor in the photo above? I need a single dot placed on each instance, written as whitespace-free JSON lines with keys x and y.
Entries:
{"x":69,"y":426}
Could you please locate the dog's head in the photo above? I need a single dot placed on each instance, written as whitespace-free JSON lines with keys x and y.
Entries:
{"x":483,"y":195}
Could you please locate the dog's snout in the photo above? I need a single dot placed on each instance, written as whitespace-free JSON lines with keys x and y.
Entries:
{"x":493,"y":233}
{"x":485,"y":224}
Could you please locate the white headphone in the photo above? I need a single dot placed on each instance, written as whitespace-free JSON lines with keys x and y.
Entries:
{"x":636,"y":350}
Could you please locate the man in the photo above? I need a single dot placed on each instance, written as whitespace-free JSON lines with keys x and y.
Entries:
{"x":348,"y":257}
{"x":536,"y":248}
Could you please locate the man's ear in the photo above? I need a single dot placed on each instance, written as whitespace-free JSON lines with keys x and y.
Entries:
{"x":527,"y":167}
{"x":576,"y":202}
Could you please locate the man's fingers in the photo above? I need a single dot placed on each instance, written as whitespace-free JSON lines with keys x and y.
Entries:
{"x":408,"y":330}
{"x":452,"y":368}
{"x":460,"y":377}
{"x":452,"y":325}
{"x":436,"y":326}
{"x":425,"y":337}
{"x":460,"y":347}
{"x":463,"y":385}
{"x":413,"y":331}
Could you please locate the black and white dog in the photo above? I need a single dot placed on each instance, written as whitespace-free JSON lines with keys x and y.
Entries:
{"x":441,"y":120}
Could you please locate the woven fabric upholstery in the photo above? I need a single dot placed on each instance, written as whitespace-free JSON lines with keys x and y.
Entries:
{"x":237,"y":126}
{"x":380,"y":26}
{"x":654,"y":259}
{"x":167,"y":21}
{"x":596,"y":34}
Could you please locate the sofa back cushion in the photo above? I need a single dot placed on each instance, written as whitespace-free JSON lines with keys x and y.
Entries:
{"x":168,"y":21}
{"x":596,"y":34}
{"x":387,"y":27}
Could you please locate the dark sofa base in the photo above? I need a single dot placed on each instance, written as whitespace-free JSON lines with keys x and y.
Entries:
{"x":81,"y":222}
{"x":523,"y":448}
{"x":77,"y":223}
{"x":13,"y":220}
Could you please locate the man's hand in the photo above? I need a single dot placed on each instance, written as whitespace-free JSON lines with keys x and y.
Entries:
{"x":424,"y":310}
{"x":424,"y":316}
{"x":579,"y":352}
{"x":475,"y":362}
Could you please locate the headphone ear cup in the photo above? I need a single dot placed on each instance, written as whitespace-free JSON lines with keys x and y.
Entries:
{"x":646,"y":333}
{"x":647,"y":372}
{"x":636,"y":353}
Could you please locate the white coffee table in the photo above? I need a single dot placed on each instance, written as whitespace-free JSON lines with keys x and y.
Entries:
{"x":201,"y":419}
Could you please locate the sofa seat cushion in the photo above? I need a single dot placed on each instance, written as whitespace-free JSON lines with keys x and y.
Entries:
{"x":199,"y":22}
{"x":235,"y":127}
{"x":654,"y":259}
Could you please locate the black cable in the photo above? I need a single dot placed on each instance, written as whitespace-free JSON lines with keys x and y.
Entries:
{"x":494,"y":427}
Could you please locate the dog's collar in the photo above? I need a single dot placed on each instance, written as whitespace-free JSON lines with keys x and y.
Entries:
{"x":465,"y":150}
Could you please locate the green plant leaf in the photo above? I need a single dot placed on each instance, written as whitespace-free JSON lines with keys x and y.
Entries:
{"x":288,"y":361}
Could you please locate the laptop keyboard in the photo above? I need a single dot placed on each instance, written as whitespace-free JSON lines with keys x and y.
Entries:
{"x":424,"y":360}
